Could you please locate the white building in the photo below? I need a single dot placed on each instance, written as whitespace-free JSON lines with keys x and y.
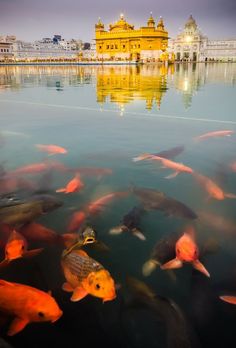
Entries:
{"x":192,"y":45}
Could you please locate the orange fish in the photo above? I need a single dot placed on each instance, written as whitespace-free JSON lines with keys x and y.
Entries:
{"x":33,"y":168}
{"x":16,"y":247}
{"x":100,"y":203}
{"x":186,"y":251}
{"x":76,"y":221}
{"x":73,"y":186}
{"x":212,"y":188}
{"x":223,"y":133}
{"x":51,"y":149}
{"x":26,"y":304}
{"x":229,"y":299}
{"x":86,"y":276}
{"x":177,"y":167}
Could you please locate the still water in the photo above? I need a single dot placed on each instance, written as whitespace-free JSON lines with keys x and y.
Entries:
{"x":104,"y":117}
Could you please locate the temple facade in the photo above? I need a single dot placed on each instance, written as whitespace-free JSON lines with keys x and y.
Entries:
{"x":122,"y":42}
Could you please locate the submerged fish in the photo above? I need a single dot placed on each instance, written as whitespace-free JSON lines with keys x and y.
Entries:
{"x":51,"y":149}
{"x":177,"y":167}
{"x":99,"y":204}
{"x":169,"y":154}
{"x":86,"y":276}
{"x":156,"y":200}
{"x":26,"y":304}
{"x":16,"y":247}
{"x":131,"y":223}
{"x":221,"y":133}
{"x":73,"y":185}
{"x":186,"y":251}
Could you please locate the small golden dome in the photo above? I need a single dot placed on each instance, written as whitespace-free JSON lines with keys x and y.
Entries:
{"x":151,"y":22}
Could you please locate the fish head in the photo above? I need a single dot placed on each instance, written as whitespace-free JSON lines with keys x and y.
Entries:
{"x":16,"y":246}
{"x":186,"y":249}
{"x":101,"y":284}
{"x":88,"y":235}
{"x":45,"y":308}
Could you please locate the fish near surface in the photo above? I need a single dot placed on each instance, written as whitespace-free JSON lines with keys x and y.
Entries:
{"x":169,"y":154}
{"x":86,"y":276}
{"x":16,"y":247}
{"x":156,"y":200}
{"x":177,"y":167}
{"x":26,"y":304}
{"x":222,"y":133}
{"x":51,"y":149}
{"x":73,"y":185}
{"x":131,"y":222}
{"x":186,"y":250}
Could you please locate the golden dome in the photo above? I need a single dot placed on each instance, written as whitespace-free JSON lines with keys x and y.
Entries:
{"x":151,"y":22}
{"x":121,"y":25}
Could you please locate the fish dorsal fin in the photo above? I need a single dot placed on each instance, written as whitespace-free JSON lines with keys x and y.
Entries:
{"x":17,"y":325}
{"x":5,"y":283}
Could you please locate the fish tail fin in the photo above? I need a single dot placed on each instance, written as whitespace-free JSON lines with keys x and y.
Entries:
{"x":137,"y":233}
{"x":118,"y":229}
{"x":199,"y":266}
{"x":175,"y":263}
{"x":63,"y":189}
{"x":230,"y":195}
{"x":149,"y":266}
{"x":229,"y":299}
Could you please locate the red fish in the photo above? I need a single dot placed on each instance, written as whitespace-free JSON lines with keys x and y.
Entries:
{"x":74,"y":185}
{"x":186,"y":251}
{"x":99,"y":204}
{"x":229,"y":299}
{"x":26,"y":304}
{"x":33,"y":168}
{"x":177,"y":167}
{"x":222,"y":133}
{"x":51,"y":149}
{"x":16,"y":247}
{"x":78,"y":218}
{"x":212,"y":188}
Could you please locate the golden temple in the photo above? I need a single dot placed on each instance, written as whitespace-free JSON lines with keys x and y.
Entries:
{"x":123,"y":42}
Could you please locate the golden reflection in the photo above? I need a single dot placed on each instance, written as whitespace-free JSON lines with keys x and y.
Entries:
{"x":125,"y":84}
{"x":122,"y":84}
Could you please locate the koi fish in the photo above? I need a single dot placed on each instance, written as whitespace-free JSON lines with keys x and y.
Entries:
{"x":212,"y":188}
{"x":101,"y":202}
{"x":177,"y":167}
{"x":86,"y":276}
{"x":27,"y":304}
{"x":33,"y":168}
{"x":16,"y":247}
{"x":229,"y":299}
{"x":169,"y":154}
{"x":76,"y":220}
{"x":74,"y":185}
{"x":186,"y":251}
{"x":222,"y":133}
{"x":51,"y":149}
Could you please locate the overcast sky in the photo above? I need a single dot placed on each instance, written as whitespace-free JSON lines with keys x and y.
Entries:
{"x":32,"y":20}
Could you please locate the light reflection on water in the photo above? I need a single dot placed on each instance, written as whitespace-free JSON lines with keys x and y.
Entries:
{"x":105,"y":116}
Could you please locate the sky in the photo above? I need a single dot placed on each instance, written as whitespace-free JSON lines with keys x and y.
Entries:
{"x":32,"y":20}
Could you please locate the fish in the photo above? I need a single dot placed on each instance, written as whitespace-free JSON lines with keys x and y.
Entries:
{"x":177,"y":167}
{"x":27,"y":305}
{"x":33,"y":168}
{"x":163,"y":251}
{"x":213,"y":190}
{"x":186,"y":250}
{"x":16,"y":247}
{"x":74,"y":185}
{"x":131,"y":223}
{"x":229,"y":299}
{"x":156,"y":200}
{"x":86,"y":276}
{"x":51,"y":149}
{"x":99,"y":204}
{"x":27,"y":209}
{"x":169,"y":154}
{"x":77,"y":220}
{"x":221,"y":133}
{"x":179,"y":333}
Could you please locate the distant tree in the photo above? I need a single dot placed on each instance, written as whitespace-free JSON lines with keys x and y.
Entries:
{"x":87,"y":46}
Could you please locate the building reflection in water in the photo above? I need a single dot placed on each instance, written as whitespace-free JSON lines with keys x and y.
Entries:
{"x":125,"y":84}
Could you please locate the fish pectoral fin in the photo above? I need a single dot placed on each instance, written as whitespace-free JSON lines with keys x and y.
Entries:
{"x":67,"y":287}
{"x":138,"y":234}
{"x":78,"y":294}
{"x":17,"y":325}
{"x":175,"y":263}
{"x":199,"y":266}
{"x":171,"y":176}
{"x":61,"y":190}
{"x":34,"y":252}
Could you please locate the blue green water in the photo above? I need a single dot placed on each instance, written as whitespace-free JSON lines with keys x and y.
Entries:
{"x":105,"y":116}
